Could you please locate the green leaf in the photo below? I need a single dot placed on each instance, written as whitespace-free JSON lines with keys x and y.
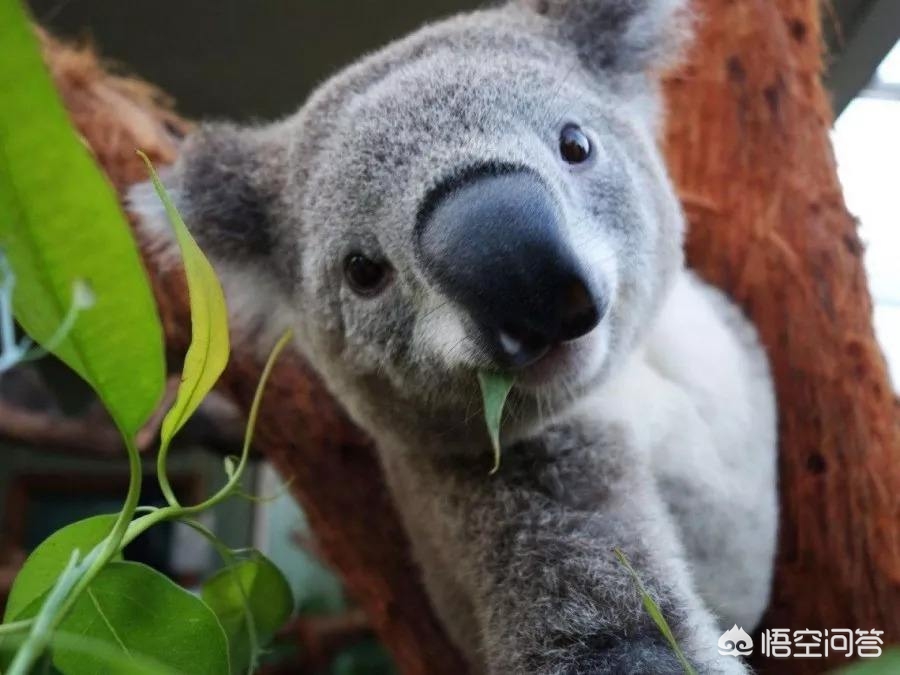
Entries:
{"x":113,"y":658}
{"x":495,"y":388}
{"x":48,"y":560}
{"x":252,"y":600}
{"x":208,"y":353}
{"x":656,"y":614}
{"x":60,"y":222}
{"x":886,"y":664}
{"x":138,"y":612}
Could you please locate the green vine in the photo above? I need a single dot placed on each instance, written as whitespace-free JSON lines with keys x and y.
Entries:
{"x":44,"y":607}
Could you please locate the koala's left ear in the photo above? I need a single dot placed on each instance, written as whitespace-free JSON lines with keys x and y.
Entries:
{"x":226,"y":184}
{"x":618,"y":36}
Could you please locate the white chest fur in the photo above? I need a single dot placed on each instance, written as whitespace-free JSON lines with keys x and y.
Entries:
{"x":698,"y":401}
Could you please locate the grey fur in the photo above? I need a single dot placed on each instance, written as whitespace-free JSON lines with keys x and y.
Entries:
{"x":641,"y":445}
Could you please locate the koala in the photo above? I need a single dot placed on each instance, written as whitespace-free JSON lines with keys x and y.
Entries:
{"x":488,"y":194}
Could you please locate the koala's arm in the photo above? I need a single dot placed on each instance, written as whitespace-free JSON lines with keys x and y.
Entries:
{"x":533,"y":549}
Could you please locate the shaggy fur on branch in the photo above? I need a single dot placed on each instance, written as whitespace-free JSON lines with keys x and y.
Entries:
{"x":654,"y":433}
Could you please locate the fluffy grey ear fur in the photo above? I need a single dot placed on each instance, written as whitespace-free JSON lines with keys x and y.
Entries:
{"x":626,"y":36}
{"x":227,"y":185}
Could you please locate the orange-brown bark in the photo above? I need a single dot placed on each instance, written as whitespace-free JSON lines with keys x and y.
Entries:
{"x":748,"y":145}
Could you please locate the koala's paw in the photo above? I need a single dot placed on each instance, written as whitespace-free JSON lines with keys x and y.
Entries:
{"x":635,"y":657}
{"x":721,"y":665}
{"x":655,"y":658}
{"x":647,"y":657}
{"x":643,"y":657}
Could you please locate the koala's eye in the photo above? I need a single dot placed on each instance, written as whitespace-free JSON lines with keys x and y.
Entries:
{"x":366,"y":276}
{"x":574,"y":145}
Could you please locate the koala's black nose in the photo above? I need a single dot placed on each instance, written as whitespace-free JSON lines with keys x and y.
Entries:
{"x":494,"y":244}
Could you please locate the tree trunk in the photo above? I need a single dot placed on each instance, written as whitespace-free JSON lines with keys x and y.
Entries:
{"x":748,"y":145}
{"x":749,"y":149}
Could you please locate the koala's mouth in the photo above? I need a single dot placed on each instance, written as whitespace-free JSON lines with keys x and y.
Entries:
{"x":565,"y":363}
{"x":554,"y":363}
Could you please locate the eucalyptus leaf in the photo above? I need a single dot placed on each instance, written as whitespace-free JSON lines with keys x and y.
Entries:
{"x":495,"y":388}
{"x":61,"y":223}
{"x":252,"y":600}
{"x":886,"y":664}
{"x":656,"y":614}
{"x":138,"y":612}
{"x":114,"y":660}
{"x":208,"y":352}
{"x":47,"y":561}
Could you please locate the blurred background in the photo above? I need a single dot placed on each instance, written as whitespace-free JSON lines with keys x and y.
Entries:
{"x":257,"y":60}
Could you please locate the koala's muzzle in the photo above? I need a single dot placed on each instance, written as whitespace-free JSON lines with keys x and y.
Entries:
{"x":495,"y":245}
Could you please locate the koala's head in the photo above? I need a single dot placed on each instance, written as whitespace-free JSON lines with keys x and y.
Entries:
{"x":486,"y":194}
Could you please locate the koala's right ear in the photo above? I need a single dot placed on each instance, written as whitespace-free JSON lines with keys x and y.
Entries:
{"x":227,"y":184}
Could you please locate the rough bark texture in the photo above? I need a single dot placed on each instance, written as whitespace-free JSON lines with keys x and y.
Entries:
{"x":748,"y":146}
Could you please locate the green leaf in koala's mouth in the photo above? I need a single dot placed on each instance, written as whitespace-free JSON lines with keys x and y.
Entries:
{"x":495,"y":388}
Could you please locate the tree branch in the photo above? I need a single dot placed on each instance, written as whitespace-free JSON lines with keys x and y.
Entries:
{"x":93,"y":435}
{"x":61,"y":434}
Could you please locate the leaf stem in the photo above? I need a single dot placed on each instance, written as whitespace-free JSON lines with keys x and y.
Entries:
{"x":15,"y":627}
{"x":11,"y":353}
{"x":230,"y":559}
{"x":77,"y":577}
{"x":43,"y":625}
{"x":7,"y":285}
{"x":172,"y":512}
{"x":162,"y":475}
{"x":176,"y":511}
{"x":82,"y":299}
